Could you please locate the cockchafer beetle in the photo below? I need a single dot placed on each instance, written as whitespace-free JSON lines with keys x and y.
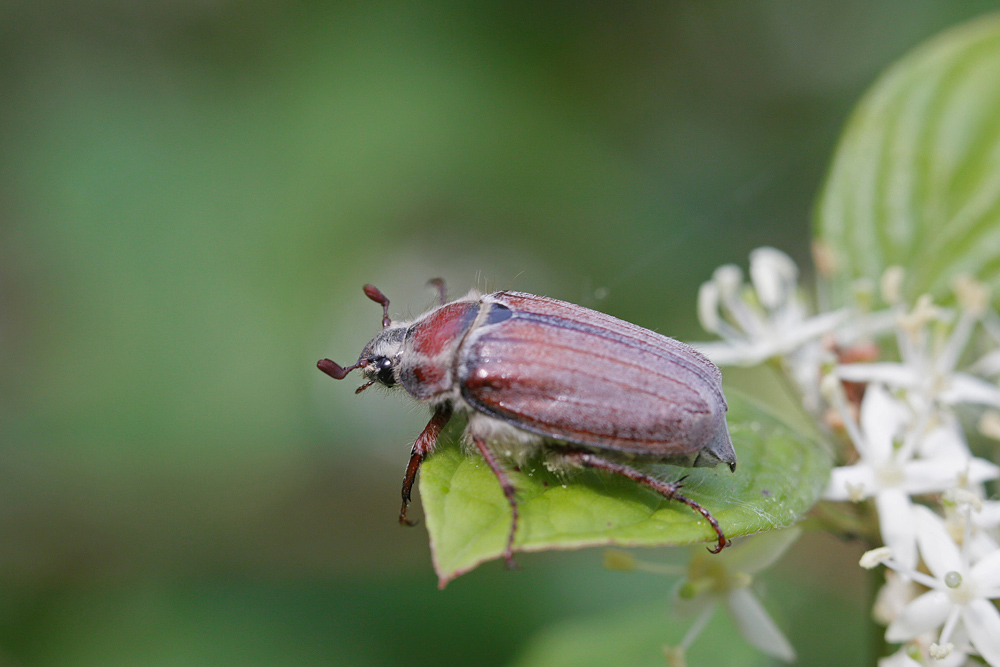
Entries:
{"x":531,"y":372}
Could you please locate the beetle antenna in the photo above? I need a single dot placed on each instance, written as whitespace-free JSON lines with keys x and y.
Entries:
{"x":335,"y":370}
{"x":375,"y":294}
{"x":438,"y":284}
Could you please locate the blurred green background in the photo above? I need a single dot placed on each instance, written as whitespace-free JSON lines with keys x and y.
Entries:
{"x":193,"y":193}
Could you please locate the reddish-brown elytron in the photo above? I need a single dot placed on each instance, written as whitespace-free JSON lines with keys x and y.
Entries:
{"x":585,"y":388}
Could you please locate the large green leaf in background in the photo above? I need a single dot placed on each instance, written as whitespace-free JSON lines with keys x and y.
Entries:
{"x":916,"y":177}
{"x":780,"y":474}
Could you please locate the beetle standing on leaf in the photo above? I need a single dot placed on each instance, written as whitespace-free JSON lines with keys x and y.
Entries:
{"x":536,"y":373}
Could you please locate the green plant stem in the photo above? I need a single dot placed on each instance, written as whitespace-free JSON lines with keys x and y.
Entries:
{"x":878,"y":647}
{"x":848,"y":521}
{"x":794,"y":399}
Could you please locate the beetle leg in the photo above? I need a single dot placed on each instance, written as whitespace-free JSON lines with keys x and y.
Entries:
{"x":423,"y":446}
{"x":508,"y":490}
{"x":669,"y":490}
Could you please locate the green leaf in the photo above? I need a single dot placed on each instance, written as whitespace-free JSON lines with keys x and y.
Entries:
{"x":915,"y":180}
{"x":780,"y":475}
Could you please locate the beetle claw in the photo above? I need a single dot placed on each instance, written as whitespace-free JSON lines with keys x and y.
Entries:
{"x":670,"y":491}
{"x":424,"y":444}
{"x":403,"y":520}
{"x":719,"y":547}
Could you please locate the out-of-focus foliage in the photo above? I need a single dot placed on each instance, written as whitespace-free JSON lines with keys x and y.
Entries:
{"x":915,"y":181}
{"x":192,"y":194}
{"x":638,"y":636}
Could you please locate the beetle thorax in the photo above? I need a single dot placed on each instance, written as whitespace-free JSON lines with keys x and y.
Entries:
{"x":429,"y":349}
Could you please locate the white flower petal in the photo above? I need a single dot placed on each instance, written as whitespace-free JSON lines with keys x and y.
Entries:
{"x":964,"y":388}
{"x":771,"y":325}
{"x":931,"y":475}
{"x":728,"y":277}
{"x":814,"y":327}
{"x":944,"y":472}
{"x":982,"y":622}
{"x":989,"y":364}
{"x":981,"y":545}
{"x":944,"y":441}
{"x":947,"y":356}
{"x":960,"y":638}
{"x":939,"y":551}
{"x":899,"y":659}
{"x":880,"y":422}
{"x":862,"y":326}
{"x":981,"y":470}
{"x":773,"y":274}
{"x":736,"y":354}
{"x":708,"y":307}
{"x":851,"y":483}
{"x":897,"y":525}
{"x":897,"y":592}
{"x":986,"y":572}
{"x":751,"y":319}
{"x":886,"y":372}
{"x":804,"y":365}
{"x":989,"y":516}
{"x":924,"y":614}
{"x":957,"y":658}
{"x":756,"y":625}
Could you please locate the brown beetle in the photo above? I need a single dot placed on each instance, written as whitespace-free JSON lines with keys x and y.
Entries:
{"x":532,"y":372}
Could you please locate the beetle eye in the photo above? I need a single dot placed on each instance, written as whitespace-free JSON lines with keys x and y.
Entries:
{"x":383,"y":371}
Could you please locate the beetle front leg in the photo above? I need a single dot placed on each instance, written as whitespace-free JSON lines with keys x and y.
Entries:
{"x":423,"y":446}
{"x":508,"y":490}
{"x":669,"y":490}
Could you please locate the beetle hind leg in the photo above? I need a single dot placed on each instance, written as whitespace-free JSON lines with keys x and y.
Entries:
{"x":669,"y":490}
{"x":508,"y":490}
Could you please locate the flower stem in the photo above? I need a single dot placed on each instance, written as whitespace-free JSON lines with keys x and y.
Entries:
{"x":877,"y":646}
{"x":858,"y":521}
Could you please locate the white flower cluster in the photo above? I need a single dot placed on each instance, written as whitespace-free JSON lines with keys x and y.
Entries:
{"x":910,"y":454}
{"x":766,"y":320}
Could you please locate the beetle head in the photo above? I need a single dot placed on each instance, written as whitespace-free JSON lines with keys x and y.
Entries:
{"x":379,"y":359}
